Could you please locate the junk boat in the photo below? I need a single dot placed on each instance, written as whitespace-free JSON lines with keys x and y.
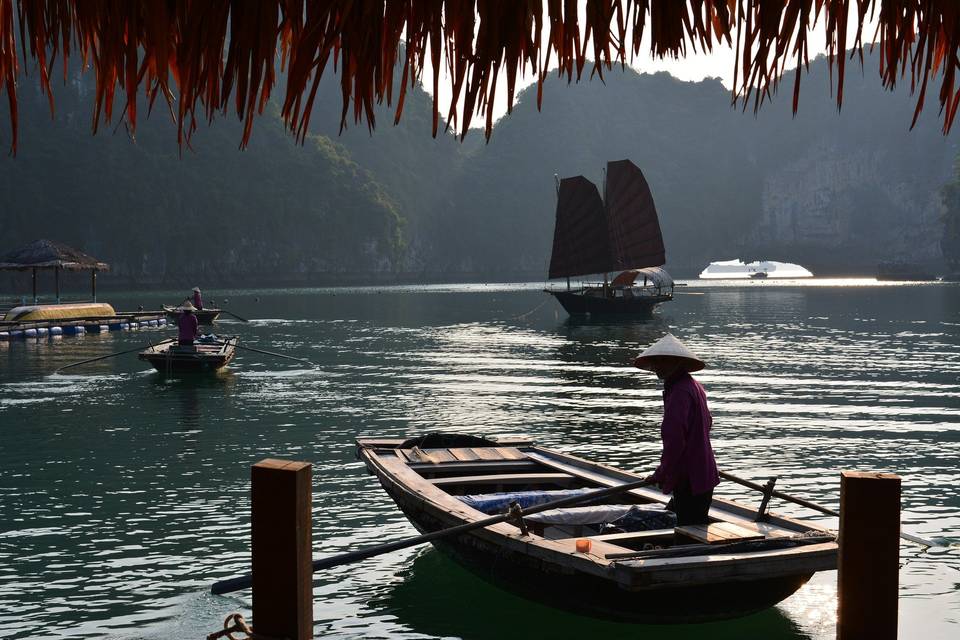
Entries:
{"x":623,"y":558}
{"x":619,"y":233}
{"x":204,"y":316}
{"x":204,"y":355}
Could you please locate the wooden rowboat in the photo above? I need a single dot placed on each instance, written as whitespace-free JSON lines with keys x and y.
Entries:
{"x":204,"y":316}
{"x":200,"y":357}
{"x":637,"y":568}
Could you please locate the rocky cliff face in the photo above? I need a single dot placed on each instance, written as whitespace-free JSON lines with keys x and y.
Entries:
{"x":844,"y":207}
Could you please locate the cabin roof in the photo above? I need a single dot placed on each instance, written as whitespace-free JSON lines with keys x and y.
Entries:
{"x":47,"y":254}
{"x":205,"y":58}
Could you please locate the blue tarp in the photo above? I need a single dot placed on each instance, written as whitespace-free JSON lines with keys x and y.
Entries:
{"x":494,"y":503}
{"x":606,"y":518}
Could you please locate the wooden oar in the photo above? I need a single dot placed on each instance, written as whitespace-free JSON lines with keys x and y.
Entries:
{"x":278,"y":355}
{"x":234,"y":315}
{"x":119,"y":353}
{"x":813,"y":505}
{"x":242,"y":582}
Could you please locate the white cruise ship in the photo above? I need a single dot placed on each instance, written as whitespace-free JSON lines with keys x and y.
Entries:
{"x":737,"y":269}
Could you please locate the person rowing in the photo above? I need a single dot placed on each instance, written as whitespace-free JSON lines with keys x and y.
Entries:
{"x":187,"y":325}
{"x":197,"y":299}
{"x":687,"y":468}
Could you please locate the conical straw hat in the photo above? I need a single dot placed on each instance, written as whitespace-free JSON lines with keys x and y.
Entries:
{"x":668,"y":346}
{"x":197,"y":289}
{"x":187,"y":306}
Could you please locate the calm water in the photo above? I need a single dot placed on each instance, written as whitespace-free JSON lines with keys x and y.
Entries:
{"x":124,"y":495}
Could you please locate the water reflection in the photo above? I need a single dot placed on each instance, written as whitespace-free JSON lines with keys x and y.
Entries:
{"x":433,"y":584}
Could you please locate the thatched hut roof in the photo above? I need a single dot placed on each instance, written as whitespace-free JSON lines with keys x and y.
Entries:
{"x":205,"y":57}
{"x":46,"y":254}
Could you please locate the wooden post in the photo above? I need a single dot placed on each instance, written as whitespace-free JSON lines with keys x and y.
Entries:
{"x":869,"y":561}
{"x":34,"y":286}
{"x":93,"y":283}
{"x":282,"y":561}
{"x":56,"y":275}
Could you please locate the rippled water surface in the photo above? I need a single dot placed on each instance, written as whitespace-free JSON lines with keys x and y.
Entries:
{"x":123,"y":495}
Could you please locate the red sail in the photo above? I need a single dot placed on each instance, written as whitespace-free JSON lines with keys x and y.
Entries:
{"x":635,"y":239}
{"x":581,"y":238}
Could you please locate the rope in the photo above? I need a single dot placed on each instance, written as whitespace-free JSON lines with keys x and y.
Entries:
{"x":524,"y":315}
{"x":233,"y":623}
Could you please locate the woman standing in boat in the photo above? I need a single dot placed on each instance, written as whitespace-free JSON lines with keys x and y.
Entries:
{"x":687,"y":468}
{"x":197,"y":298}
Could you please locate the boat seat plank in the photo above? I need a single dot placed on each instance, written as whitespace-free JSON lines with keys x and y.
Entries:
{"x":476,"y":468}
{"x":505,"y":478}
{"x":718,"y":533}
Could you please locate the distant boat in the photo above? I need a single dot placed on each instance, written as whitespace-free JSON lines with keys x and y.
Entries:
{"x":619,"y":233}
{"x":67,"y":311}
{"x":737,"y":269}
{"x":204,"y":316}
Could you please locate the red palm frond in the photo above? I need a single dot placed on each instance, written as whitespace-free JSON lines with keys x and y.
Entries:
{"x":205,"y":57}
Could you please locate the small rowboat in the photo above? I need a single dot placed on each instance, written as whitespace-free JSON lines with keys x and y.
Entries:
{"x":199,"y":357}
{"x":623,"y":559}
{"x":204,"y":316}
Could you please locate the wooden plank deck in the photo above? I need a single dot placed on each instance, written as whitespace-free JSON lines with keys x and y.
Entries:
{"x":718,"y":533}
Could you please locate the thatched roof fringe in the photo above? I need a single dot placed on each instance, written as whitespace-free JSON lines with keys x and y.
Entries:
{"x":204,"y":57}
{"x":47,"y":254}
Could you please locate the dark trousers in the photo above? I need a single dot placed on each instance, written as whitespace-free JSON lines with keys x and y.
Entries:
{"x":690,"y":509}
{"x":185,"y":343}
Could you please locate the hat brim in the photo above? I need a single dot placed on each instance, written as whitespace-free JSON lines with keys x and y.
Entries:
{"x":690,"y":364}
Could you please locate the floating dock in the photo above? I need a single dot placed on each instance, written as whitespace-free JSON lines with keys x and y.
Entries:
{"x":122,"y":321}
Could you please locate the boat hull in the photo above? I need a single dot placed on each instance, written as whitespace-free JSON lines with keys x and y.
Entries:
{"x":169,"y":360}
{"x":560,"y":587}
{"x":204,"y":316}
{"x":577,"y":303}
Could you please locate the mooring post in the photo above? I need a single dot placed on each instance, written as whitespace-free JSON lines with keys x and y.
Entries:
{"x":281,"y":562}
{"x":869,"y":561}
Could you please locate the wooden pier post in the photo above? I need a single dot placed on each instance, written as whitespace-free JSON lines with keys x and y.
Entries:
{"x":282,"y":567}
{"x":869,"y":561}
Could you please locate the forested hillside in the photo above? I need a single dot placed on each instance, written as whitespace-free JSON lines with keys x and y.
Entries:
{"x":276,"y":211}
{"x":399,"y":204}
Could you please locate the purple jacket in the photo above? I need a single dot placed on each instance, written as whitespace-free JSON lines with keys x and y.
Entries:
{"x":687,"y":461}
{"x":188,"y":326}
